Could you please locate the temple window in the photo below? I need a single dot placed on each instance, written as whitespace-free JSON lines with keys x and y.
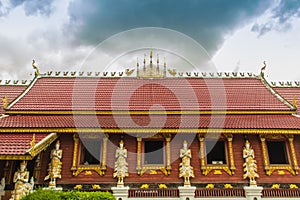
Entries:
{"x":216,"y":154}
{"x":279,"y":154}
{"x":153,"y":154}
{"x":92,"y":155}
{"x":89,"y":154}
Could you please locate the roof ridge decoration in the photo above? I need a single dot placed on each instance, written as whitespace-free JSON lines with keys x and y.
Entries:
{"x":14,"y":82}
{"x":129,"y":73}
{"x":270,"y":88}
{"x":285,"y":84}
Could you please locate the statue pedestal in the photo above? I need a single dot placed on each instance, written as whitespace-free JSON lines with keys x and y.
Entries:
{"x":2,"y":193}
{"x":187,"y":192}
{"x":121,"y":193}
{"x":53,"y":188}
{"x":253,"y":192}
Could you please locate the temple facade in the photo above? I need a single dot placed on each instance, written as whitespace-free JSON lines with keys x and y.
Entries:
{"x":151,"y":132}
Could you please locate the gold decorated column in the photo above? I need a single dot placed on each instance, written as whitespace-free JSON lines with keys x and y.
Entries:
{"x":75,"y":151}
{"x":104,"y":152}
{"x":168,"y":148}
{"x":265,"y":155}
{"x":202,"y":154}
{"x":231,"y":160}
{"x":294,"y":159}
{"x":139,"y":149}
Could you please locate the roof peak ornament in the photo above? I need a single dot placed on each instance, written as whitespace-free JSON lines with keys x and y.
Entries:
{"x":262,"y":70}
{"x":149,"y":71}
{"x":35,"y":67}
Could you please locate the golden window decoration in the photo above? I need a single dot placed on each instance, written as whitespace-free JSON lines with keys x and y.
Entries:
{"x":154,"y":154}
{"x":85,"y":160}
{"x":216,"y":155}
{"x":279,"y":153}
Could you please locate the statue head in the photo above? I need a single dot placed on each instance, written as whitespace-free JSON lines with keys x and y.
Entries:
{"x":23,"y":166}
{"x":247,"y":144}
{"x":185,"y":144}
{"x":121,"y":144}
{"x":57,"y":145}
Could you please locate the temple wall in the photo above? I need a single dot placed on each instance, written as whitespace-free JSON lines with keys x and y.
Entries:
{"x":131,"y":144}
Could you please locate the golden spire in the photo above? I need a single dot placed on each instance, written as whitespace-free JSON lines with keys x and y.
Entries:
{"x":4,"y":101}
{"x":137,"y":67}
{"x":151,"y":57}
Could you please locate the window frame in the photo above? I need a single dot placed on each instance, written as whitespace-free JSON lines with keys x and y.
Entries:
{"x":206,"y":168}
{"x":292,"y":166}
{"x":78,"y":168}
{"x":165,"y":167}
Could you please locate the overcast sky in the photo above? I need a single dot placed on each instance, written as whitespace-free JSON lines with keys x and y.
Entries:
{"x":238,"y":35}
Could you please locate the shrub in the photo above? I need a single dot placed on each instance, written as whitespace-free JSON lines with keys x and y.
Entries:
{"x":40,"y":194}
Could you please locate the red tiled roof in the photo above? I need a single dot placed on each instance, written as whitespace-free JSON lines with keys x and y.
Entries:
{"x":11,"y":92}
{"x":17,"y":144}
{"x":289,"y":93}
{"x":64,"y":93}
{"x":152,"y":121}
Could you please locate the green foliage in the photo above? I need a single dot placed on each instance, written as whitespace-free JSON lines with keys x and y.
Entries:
{"x":69,"y":195}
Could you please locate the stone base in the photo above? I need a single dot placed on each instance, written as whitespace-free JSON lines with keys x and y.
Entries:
{"x":2,"y":193}
{"x":121,"y":193}
{"x":187,"y":192}
{"x":53,"y":188}
{"x":253,"y":192}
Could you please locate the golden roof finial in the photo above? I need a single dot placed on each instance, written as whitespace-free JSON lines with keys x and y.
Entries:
{"x":151,"y":56}
{"x":137,"y":62}
{"x":35,"y":67}
{"x":165,"y":64}
{"x":4,"y":101}
{"x":144,"y":59}
{"x":263,"y":69}
{"x":295,"y":102}
{"x":157,"y":59}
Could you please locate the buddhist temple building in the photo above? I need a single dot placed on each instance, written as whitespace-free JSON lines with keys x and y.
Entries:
{"x":152,"y":132}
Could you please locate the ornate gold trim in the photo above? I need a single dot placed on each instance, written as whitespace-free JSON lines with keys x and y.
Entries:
{"x":43,"y":144}
{"x":142,"y":168}
{"x":206,"y":168}
{"x":81,"y":168}
{"x":77,"y":169}
{"x":15,"y":157}
{"x":75,"y":151}
{"x":139,"y":150}
{"x":230,"y":151}
{"x":147,"y":112}
{"x":104,"y":153}
{"x":34,"y":150}
{"x":270,"y":168}
{"x":150,"y":130}
{"x":163,"y":169}
{"x":168,"y":148}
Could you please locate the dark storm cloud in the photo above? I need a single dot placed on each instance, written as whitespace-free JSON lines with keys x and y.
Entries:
{"x":31,"y":7}
{"x":207,"y":21}
{"x":282,"y":14}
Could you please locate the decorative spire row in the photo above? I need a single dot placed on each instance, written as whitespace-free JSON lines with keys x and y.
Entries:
{"x":149,"y":71}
